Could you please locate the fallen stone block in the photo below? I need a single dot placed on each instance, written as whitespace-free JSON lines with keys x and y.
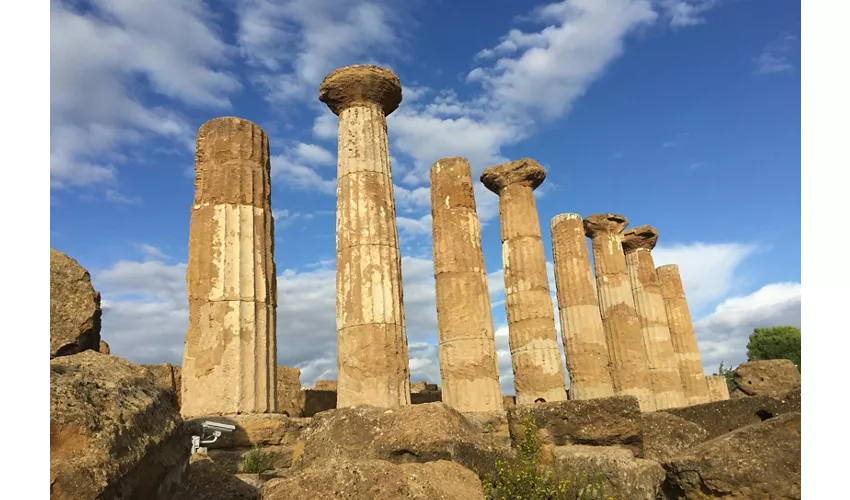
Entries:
{"x":114,"y":431}
{"x":206,"y":480}
{"x":664,"y":435}
{"x":720,"y":417}
{"x":608,"y":472}
{"x":365,"y":479}
{"x":759,"y":461}
{"x":773,"y":377}
{"x":74,"y":307}
{"x":415,"y":433}
{"x":600,"y":422}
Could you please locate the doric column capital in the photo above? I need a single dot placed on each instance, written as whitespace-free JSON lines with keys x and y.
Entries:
{"x":598,"y":224}
{"x":361,"y":85}
{"x":525,"y":171}
{"x":639,"y":238}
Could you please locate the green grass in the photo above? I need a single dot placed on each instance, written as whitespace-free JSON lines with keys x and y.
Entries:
{"x":257,"y":461}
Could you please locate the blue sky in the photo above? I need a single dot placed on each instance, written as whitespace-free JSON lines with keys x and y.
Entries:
{"x":682,"y":114}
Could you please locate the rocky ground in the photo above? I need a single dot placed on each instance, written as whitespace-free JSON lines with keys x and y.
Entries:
{"x":116,"y":433}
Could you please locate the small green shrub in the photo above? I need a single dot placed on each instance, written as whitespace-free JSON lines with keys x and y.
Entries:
{"x":256,"y":461}
{"x":524,"y":478}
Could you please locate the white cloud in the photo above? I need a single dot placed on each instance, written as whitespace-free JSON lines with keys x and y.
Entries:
{"x":707,"y":269}
{"x":415,"y":227}
{"x":98,"y":57}
{"x":544,"y":72}
{"x":314,"y":154}
{"x":723,"y":334}
{"x":684,"y":13}
{"x":293,"y":44}
{"x":295,"y":174}
{"x":285,"y":217}
{"x":776,"y":56}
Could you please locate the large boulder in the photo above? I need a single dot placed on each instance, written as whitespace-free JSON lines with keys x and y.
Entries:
{"x":759,"y":461}
{"x":773,"y":377}
{"x":364,"y":479}
{"x":415,"y":433}
{"x":600,"y":422}
{"x":608,"y":472}
{"x":664,"y":435}
{"x":74,"y":307}
{"x":206,"y":480}
{"x":168,"y":377}
{"x":114,"y":431}
{"x":720,"y":417}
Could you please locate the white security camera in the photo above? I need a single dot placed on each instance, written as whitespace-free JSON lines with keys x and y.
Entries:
{"x":218,"y":426}
{"x":213,"y":428}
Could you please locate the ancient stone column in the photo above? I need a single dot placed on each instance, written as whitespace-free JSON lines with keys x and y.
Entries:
{"x":230,"y":355}
{"x":638,"y":243}
{"x":682,"y":335}
{"x":718,"y":390}
{"x":371,"y":338}
{"x":626,"y":351}
{"x":535,"y":356}
{"x":468,"y":362}
{"x":578,"y":309}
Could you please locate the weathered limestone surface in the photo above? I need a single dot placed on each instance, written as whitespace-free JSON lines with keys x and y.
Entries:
{"x":371,"y":338}
{"x":325,"y":385}
{"x":468,"y":363}
{"x":535,"y":356}
{"x":682,"y":335}
{"x":718,"y":390}
{"x":363,"y":478}
{"x":758,"y":461}
{"x":664,"y":377}
{"x":613,"y":421}
{"x":585,"y":346}
{"x":721,"y":417}
{"x":231,"y":349}
{"x":74,"y":307}
{"x":167,"y":376}
{"x":114,"y":431}
{"x":206,"y":479}
{"x":104,"y":348}
{"x":414,"y":433}
{"x":769,"y":377}
{"x":626,"y":350}
{"x":290,"y":397}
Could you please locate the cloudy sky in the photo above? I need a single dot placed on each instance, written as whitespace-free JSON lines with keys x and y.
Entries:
{"x":683,"y":114}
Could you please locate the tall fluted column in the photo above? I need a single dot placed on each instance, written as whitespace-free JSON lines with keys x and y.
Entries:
{"x":371,"y":338}
{"x":468,"y":364}
{"x":229,"y":361}
{"x":533,"y":339}
{"x":663,"y":364}
{"x":682,"y":335}
{"x":578,"y":309}
{"x":626,"y":352}
{"x":718,"y":390}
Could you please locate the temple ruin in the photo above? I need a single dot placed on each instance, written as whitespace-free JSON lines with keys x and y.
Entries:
{"x":638,"y":243}
{"x":626,"y":349}
{"x":371,"y":336}
{"x":229,"y":362}
{"x":585,"y":346}
{"x":682,"y":335}
{"x":535,"y":356}
{"x":625,"y":325}
{"x":469,"y":367}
